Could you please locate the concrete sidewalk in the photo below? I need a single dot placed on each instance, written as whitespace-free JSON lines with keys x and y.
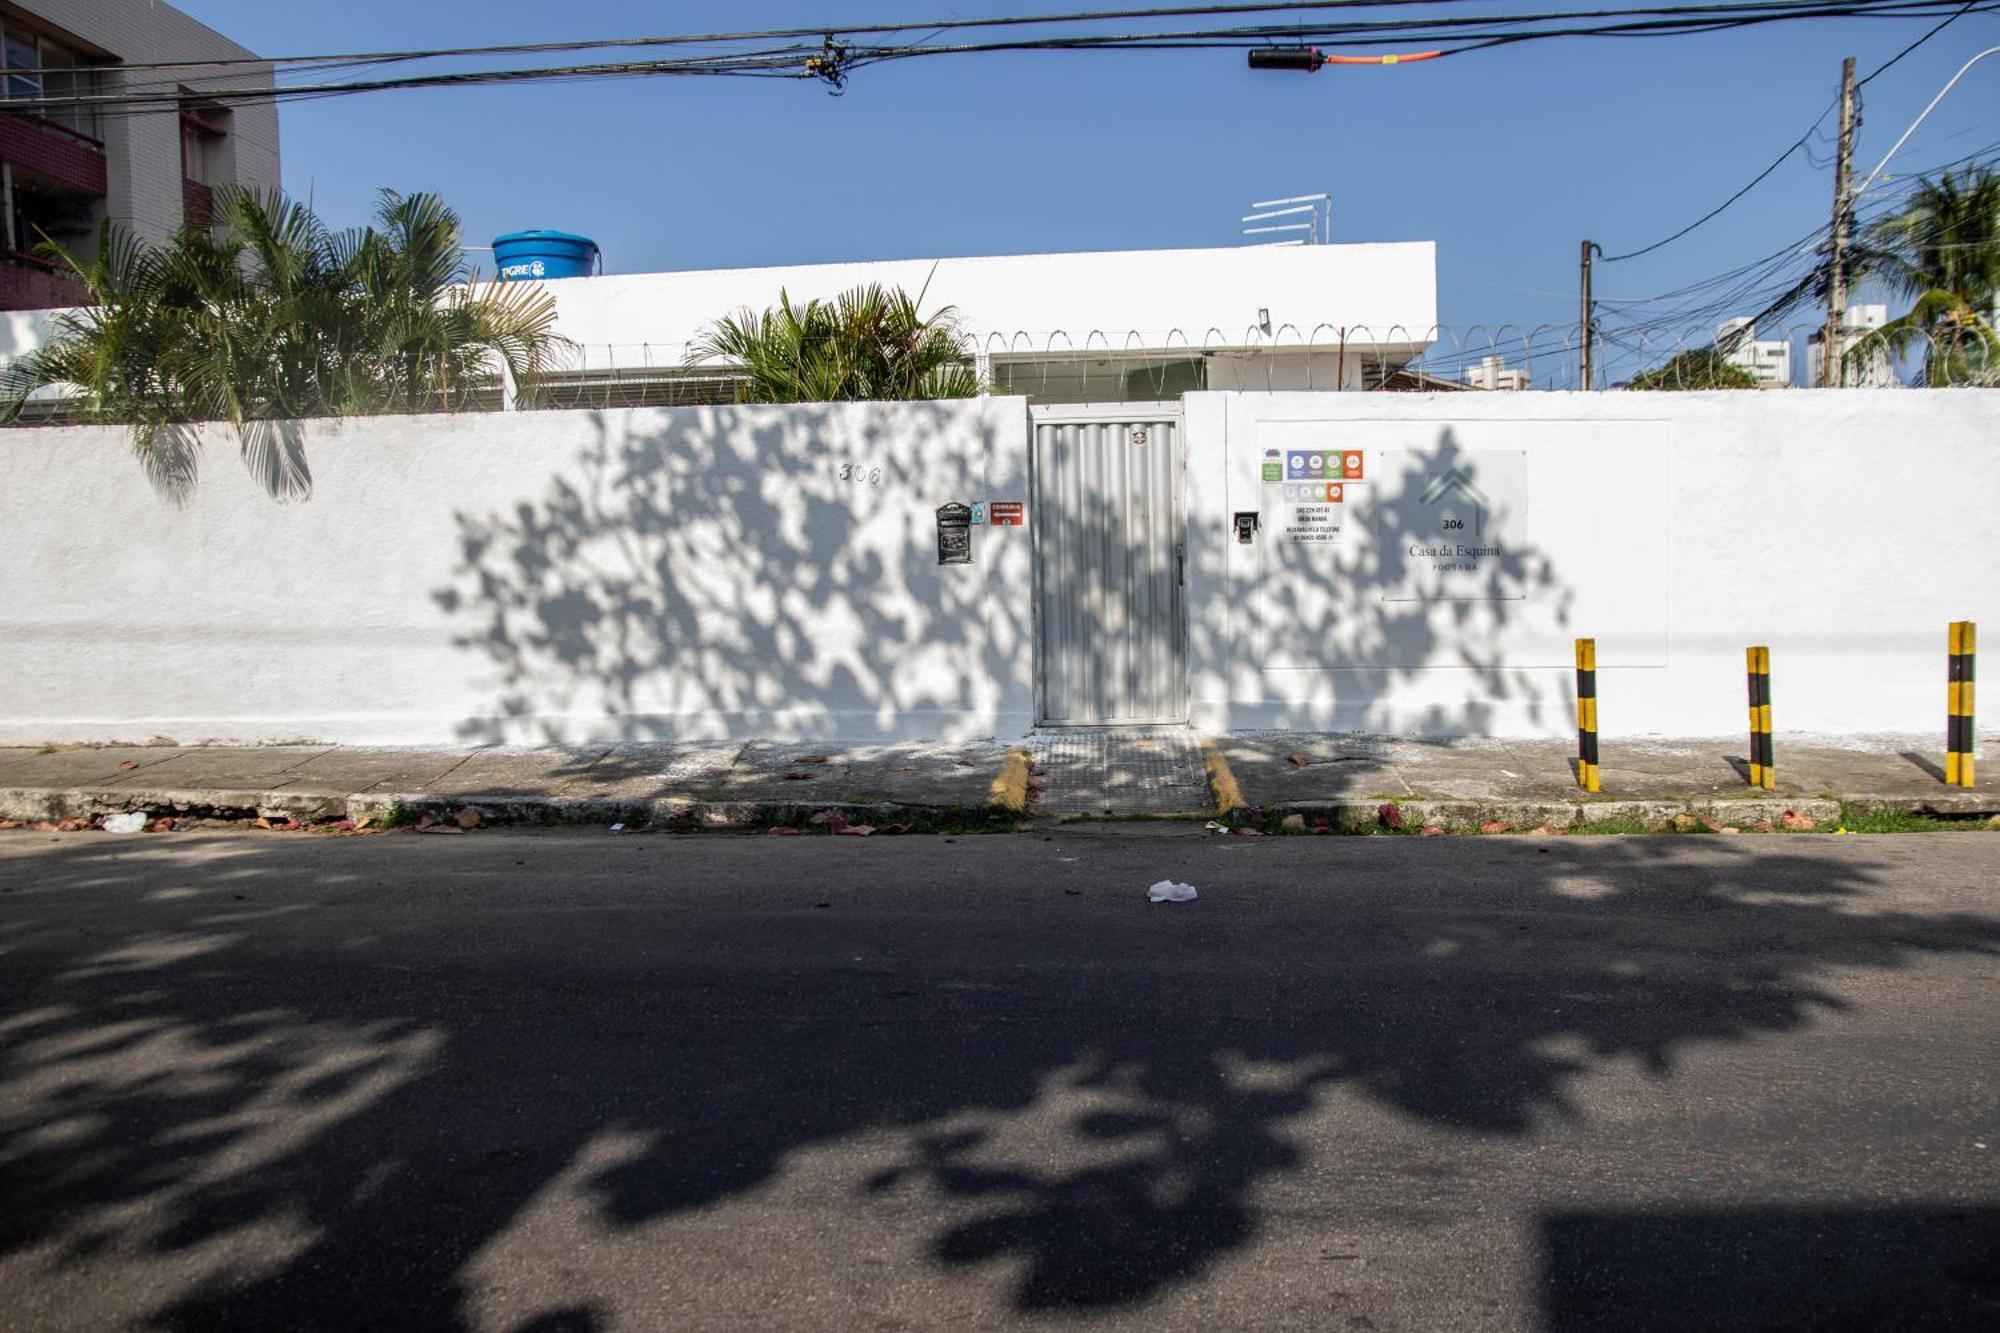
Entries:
{"x":1533,"y":782}
{"x":1114,"y":772}
{"x":705,"y":782}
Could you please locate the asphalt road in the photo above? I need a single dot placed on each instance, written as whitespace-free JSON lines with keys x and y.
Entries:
{"x":575,"y":1081}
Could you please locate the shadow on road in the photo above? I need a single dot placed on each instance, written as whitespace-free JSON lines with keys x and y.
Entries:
{"x":1772,"y":1268}
{"x":321,"y":1102}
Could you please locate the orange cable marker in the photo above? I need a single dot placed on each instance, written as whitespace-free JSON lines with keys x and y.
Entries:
{"x":1381,"y":60}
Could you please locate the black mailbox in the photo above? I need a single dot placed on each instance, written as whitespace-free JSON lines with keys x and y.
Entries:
{"x":954,"y":527}
{"x":1246,"y":525}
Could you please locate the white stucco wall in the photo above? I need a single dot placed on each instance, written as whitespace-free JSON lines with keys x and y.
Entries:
{"x":542,"y":576}
{"x":1842,"y":529}
{"x":707,"y":572}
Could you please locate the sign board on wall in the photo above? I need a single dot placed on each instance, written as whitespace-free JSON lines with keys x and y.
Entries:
{"x":1009,"y":513}
{"x":1440,"y":561}
{"x":1311,"y":489}
{"x":1453,"y":524}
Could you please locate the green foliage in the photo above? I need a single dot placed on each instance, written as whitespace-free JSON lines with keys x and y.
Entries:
{"x":275,"y":318}
{"x":1701,"y":368}
{"x":1942,"y":254}
{"x":398,"y":815}
{"x":1873,"y":817}
{"x":868,"y":343}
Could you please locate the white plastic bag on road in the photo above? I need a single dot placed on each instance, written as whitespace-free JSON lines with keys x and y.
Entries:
{"x":1167,"y":891}
{"x":132,"y":821}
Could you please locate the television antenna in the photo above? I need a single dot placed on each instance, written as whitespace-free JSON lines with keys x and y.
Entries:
{"x":1310,"y":214}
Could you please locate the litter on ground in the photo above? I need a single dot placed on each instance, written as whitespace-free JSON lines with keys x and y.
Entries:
{"x":1167,"y":891}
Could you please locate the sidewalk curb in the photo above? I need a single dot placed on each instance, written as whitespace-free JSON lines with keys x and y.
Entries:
{"x":1556,"y":814}
{"x":30,"y":804}
{"x":682,"y":811}
{"x":1221,"y":779}
{"x":33,"y":803}
{"x":1010,"y":785}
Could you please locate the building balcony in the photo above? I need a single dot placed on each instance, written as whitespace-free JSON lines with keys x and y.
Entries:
{"x":28,"y":283}
{"x":53,"y":152}
{"x":197,"y":205}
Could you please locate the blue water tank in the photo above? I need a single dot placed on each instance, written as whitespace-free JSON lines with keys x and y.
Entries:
{"x":544,"y":254}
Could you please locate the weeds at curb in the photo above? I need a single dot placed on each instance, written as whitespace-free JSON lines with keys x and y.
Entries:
{"x":1874,"y":819}
{"x":950,"y":820}
{"x":398,"y":815}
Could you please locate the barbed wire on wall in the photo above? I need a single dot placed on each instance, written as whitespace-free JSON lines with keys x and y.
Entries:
{"x":1101,"y":365}
{"x":1134,"y":365}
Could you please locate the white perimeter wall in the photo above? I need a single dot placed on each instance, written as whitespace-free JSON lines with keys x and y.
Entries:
{"x":706,"y":572}
{"x":1842,"y":529}
{"x":524,"y":577}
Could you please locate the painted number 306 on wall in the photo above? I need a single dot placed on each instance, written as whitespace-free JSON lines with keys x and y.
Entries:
{"x":860,"y":475}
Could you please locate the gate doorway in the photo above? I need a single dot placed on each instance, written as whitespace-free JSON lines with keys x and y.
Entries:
{"x":1110,"y":564}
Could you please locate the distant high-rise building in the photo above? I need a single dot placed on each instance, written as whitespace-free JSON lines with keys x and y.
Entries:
{"x":1769,"y":360}
{"x":1869,"y":365}
{"x":1493,"y":372}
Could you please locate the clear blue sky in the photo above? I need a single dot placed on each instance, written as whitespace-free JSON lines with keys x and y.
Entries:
{"x":1506,"y":159}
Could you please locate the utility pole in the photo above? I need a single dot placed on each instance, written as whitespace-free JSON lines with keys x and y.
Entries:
{"x":1833,"y":369}
{"x":1589,"y":321}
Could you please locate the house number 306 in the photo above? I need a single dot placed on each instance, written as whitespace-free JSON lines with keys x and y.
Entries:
{"x":861,"y":476}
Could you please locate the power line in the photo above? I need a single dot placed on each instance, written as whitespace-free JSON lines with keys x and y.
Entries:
{"x":832,"y":60}
{"x":1797,"y":144}
{"x":780,"y":34}
{"x":1773,"y":282}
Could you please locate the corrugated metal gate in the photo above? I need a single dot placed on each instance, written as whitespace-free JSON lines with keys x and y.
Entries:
{"x":1110,"y":564}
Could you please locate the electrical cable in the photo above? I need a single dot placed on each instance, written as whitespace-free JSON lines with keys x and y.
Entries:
{"x":776,"y":34}
{"x":1797,"y":144}
{"x":831,"y":60}
{"x":1769,"y":283}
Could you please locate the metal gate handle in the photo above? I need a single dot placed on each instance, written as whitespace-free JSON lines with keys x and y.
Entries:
{"x":1180,"y":564}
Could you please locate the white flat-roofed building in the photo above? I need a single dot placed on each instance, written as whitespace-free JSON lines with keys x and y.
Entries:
{"x":1107,"y":325}
{"x":1114,"y":326}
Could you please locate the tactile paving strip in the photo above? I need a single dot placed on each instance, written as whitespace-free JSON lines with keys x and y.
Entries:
{"x":1120,"y":771}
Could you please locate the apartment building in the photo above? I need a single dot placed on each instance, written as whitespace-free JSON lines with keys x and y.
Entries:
{"x":1868,"y":362}
{"x":1493,"y":372}
{"x":69,"y":159}
{"x":1768,"y":360}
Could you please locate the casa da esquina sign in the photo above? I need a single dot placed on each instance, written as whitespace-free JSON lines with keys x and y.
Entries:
{"x":1459,"y":519}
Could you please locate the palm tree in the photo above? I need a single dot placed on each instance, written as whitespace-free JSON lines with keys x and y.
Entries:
{"x":868,"y":343}
{"x":278,"y":318}
{"x":1942,"y":254}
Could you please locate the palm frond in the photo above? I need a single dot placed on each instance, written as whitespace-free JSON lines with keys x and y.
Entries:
{"x":867,"y":343}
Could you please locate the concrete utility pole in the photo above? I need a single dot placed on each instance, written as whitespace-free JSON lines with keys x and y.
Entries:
{"x":1589,"y":320}
{"x":1832,"y":369}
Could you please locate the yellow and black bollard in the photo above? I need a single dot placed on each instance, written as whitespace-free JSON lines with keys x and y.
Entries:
{"x":1958,"y":743}
{"x":1586,"y":714}
{"x":1763,"y":763}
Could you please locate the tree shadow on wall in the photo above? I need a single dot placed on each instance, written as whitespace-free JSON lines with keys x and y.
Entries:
{"x":1377,"y":612}
{"x":720,"y":570}
{"x":189,"y":1072}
